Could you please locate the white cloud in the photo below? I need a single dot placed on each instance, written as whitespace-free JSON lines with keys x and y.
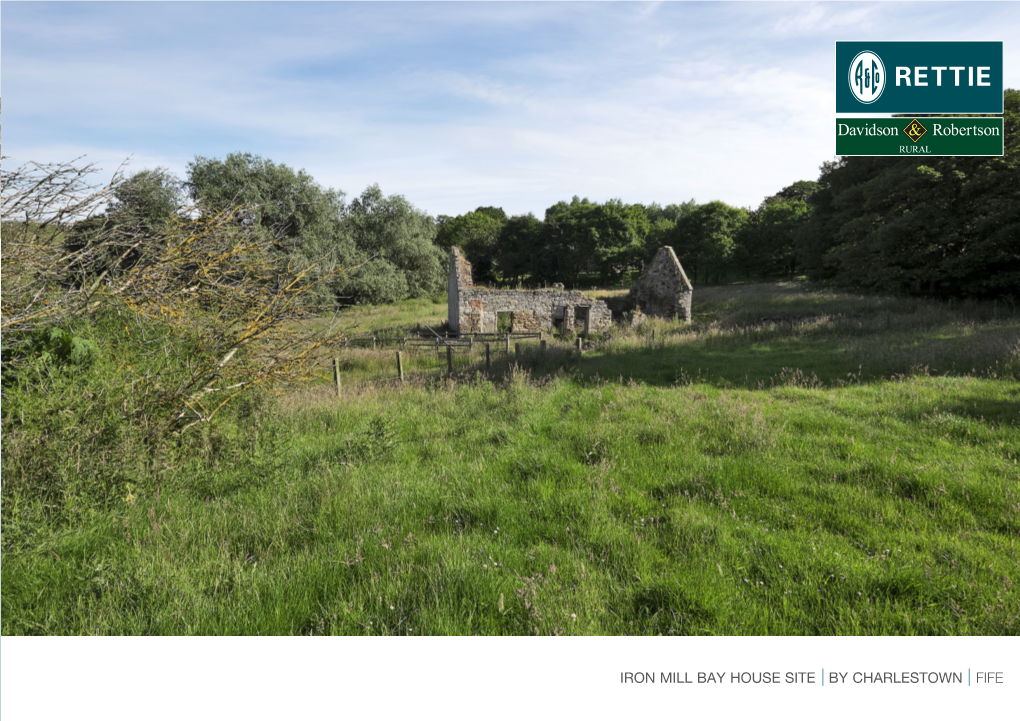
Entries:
{"x":457,"y":105}
{"x":817,"y":19}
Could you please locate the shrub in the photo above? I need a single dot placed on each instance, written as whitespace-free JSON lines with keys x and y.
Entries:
{"x":110,"y":369}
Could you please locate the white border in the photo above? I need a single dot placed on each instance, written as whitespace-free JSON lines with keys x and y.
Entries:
{"x":499,"y":678}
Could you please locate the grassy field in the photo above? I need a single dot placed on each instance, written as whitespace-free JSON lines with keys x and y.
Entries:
{"x":794,"y":461}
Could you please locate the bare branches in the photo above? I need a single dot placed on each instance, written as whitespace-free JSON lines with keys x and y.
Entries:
{"x":38,"y":201}
{"x":221,"y":307}
{"x":53,"y":193}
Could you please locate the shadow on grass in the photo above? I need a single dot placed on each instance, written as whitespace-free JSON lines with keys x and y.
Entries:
{"x":756,"y":368}
{"x":811,"y":360}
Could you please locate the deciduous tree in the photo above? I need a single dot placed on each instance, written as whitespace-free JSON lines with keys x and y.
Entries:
{"x":704,"y":239}
{"x":217,"y":308}
{"x":477,"y":235}
{"x":937,"y":226}
{"x":396,"y":248}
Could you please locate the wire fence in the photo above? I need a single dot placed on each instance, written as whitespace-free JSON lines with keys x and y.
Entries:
{"x":418,"y":358}
{"x":377,"y":342}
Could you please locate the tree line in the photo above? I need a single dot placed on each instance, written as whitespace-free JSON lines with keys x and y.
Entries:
{"x":932,"y":226}
{"x":383,"y":243}
{"x":585,"y":240}
{"x":941,"y":227}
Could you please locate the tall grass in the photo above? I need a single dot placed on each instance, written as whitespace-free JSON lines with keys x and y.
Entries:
{"x":741,"y":336}
{"x":793,"y":462}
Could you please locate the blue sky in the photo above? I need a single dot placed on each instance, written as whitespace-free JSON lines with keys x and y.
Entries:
{"x":457,"y":105}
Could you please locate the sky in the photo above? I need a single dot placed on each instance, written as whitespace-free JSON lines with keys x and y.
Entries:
{"x":459,"y":105}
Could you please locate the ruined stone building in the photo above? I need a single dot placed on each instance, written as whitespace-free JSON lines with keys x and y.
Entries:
{"x":480,"y":310}
{"x":663,"y":289}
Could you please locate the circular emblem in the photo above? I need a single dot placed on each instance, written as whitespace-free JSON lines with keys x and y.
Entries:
{"x":867,"y":77}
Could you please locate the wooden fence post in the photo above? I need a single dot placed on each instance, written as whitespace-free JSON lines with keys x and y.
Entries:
{"x":488,"y":364}
{"x":517,"y":352}
{"x":336,"y":375}
{"x":449,"y":360}
{"x":579,"y":351}
{"x":400,"y":367}
{"x":543,"y":347}
{"x":373,"y":342}
{"x":508,"y":343}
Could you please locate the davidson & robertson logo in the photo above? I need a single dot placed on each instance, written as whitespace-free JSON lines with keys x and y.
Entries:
{"x":914,"y":130}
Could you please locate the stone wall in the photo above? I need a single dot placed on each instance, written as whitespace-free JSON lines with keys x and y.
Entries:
{"x":459,"y":280}
{"x":663,"y":290}
{"x":476,"y":310}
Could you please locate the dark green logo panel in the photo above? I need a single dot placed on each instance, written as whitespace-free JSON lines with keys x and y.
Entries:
{"x":919,"y":136}
{"x":918,"y":77}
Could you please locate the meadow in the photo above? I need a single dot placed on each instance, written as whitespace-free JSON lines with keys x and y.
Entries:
{"x":796,"y":460}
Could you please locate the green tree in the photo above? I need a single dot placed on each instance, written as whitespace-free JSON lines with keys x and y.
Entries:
{"x":303,"y":217}
{"x":385,"y":243}
{"x":662,"y":221}
{"x":767,"y":244}
{"x":278,"y":197}
{"x":801,"y":190}
{"x":937,"y":226}
{"x":705,"y":239}
{"x":660,"y":233}
{"x":144,"y":203}
{"x":154,"y":197}
{"x":396,"y":248}
{"x":520,"y":248}
{"x":495,"y":213}
{"x":584,"y":237}
{"x":672,"y":212}
{"x":477,"y":235}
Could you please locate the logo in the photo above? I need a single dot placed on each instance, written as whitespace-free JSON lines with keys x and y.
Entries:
{"x":867,"y":77}
{"x":914,"y":130}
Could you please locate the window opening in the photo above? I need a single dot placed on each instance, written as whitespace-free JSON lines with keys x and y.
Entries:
{"x":504,"y":321}
{"x":581,"y":323}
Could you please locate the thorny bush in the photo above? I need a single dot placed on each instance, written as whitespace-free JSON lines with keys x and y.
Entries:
{"x":121,"y":341}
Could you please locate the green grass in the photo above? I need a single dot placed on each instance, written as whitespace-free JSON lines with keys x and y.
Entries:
{"x":848,"y":468}
{"x":397,"y":319}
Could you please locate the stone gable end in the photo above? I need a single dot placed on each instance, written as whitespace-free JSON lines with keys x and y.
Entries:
{"x":663,"y":290}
